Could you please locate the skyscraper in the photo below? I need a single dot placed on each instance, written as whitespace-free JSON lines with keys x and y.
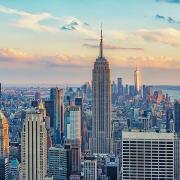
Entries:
{"x":120,"y":86}
{"x":147,"y":155}
{"x":137,"y":80}
{"x":33,"y":147}
{"x":57,"y":96}
{"x":177,"y":116}
{"x":101,"y":110}
{"x":4,"y":136}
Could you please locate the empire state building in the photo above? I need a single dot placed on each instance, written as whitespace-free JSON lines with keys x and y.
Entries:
{"x":101,"y":111}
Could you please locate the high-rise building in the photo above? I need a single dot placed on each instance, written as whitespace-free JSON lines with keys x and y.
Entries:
{"x":57,"y":163}
{"x":177,"y":117}
{"x":33,"y":147}
{"x":137,"y":80}
{"x":49,"y":105}
{"x":75,"y":123}
{"x":57,"y":96}
{"x":120,"y":88}
{"x":3,"y":168}
{"x":4,"y":136}
{"x":90,"y":168}
{"x":177,"y":158}
{"x":147,"y":155}
{"x":101,"y":141}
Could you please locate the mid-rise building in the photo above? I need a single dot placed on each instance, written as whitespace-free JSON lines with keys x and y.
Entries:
{"x":90,"y":168}
{"x":57,"y":163}
{"x":3,"y":168}
{"x":177,"y":117}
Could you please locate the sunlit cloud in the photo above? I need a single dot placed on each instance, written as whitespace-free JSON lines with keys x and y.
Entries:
{"x":80,"y":61}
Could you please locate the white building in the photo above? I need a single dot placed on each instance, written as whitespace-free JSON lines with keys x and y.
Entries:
{"x":90,"y":168}
{"x":33,"y":147}
{"x":147,"y":155}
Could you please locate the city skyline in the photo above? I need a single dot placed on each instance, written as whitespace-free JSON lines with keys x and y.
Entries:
{"x":56,"y":43}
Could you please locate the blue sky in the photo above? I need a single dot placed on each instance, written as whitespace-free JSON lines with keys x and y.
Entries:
{"x":57,"y":41}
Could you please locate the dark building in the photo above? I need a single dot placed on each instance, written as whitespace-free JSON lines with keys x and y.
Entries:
{"x":49,"y":105}
{"x":3,"y":168}
{"x":120,"y":86}
{"x":177,"y":117}
{"x":169,"y":116}
{"x":131,"y":90}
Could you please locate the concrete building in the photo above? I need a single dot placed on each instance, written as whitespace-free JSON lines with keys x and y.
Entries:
{"x":4,"y":136}
{"x":90,"y":168}
{"x":101,"y":141}
{"x":33,"y":147}
{"x":57,"y":163}
{"x":147,"y":155}
{"x":3,"y":168}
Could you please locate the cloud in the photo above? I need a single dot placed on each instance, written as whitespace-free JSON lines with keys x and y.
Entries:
{"x":31,"y":21}
{"x":167,"y":19}
{"x":37,"y":22}
{"x":21,"y":59}
{"x":112,"y":47}
{"x":168,"y":36}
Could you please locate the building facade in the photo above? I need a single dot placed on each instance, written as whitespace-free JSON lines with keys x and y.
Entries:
{"x":101,"y":141}
{"x":147,"y":155}
{"x":33,"y":147}
{"x":4,"y":136}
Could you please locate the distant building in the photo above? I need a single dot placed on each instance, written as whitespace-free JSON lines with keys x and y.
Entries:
{"x":49,"y":105}
{"x":90,"y":168}
{"x":4,"y":136}
{"x":137,"y":80}
{"x":57,"y":163}
{"x":147,"y":155}
{"x":33,"y":147}
{"x":3,"y":168}
{"x":120,"y":86}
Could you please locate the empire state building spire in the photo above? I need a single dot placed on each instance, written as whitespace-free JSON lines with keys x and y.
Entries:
{"x":101,"y":44}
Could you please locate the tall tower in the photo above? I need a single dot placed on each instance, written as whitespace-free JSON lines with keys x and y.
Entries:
{"x":57,"y":96}
{"x":33,"y":147}
{"x":4,"y":136}
{"x":101,"y":110}
{"x":137,"y":80}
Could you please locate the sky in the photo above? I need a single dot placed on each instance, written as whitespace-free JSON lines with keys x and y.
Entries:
{"x":56,"y":42}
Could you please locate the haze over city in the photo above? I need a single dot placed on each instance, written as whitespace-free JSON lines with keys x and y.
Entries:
{"x":57,"y":42}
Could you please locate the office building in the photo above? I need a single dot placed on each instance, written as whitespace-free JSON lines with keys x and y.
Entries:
{"x":112,"y":167}
{"x":57,"y":163}
{"x":177,"y":117}
{"x":147,"y":155}
{"x":3,"y":168}
{"x":90,"y":168}
{"x":14,"y":169}
{"x":33,"y":147}
{"x":137,"y":81}
{"x":4,"y":136}
{"x":101,"y":141}
{"x":57,"y":96}
{"x":177,"y":158}
{"x":120,"y":88}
